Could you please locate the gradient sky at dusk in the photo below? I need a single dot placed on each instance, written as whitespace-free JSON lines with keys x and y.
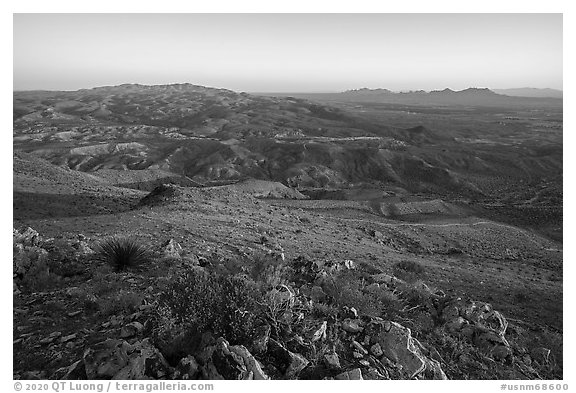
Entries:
{"x":288,"y":52}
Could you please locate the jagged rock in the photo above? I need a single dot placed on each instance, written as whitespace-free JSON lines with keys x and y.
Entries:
{"x":187,"y":368}
{"x":320,"y":334}
{"x":145,"y":362}
{"x":332,"y":361}
{"x":376,"y":350}
{"x":358,"y":347}
{"x":480,"y":324}
{"x":398,"y":346}
{"x":171,"y":249}
{"x":288,"y":363}
{"x":477,"y":313}
{"x":28,"y":237}
{"x":252,"y":365}
{"x":81,"y":246}
{"x":434,"y":370}
{"x":222,"y":361}
{"x":106,"y":359}
{"x":68,"y":338}
{"x":76,"y":371}
{"x":352,"y":325}
{"x":375,"y":374}
{"x":131,"y":330}
{"x":354,"y":374}
{"x":116,"y":359}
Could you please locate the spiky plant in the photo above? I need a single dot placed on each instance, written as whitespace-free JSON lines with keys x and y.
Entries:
{"x":122,"y":252}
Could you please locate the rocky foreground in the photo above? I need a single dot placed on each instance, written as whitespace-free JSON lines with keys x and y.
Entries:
{"x":186,"y":316}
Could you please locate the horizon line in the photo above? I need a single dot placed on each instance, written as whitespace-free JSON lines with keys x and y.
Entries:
{"x":286,"y":91}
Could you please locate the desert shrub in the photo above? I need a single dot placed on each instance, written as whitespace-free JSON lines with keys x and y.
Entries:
{"x":321,"y":310}
{"x":409,"y":266}
{"x":124,"y":301}
{"x":416,"y":294}
{"x":409,"y":270}
{"x":122,"y":253}
{"x":33,"y":268}
{"x":269,"y":271}
{"x":348,"y":288}
{"x":199,"y":302}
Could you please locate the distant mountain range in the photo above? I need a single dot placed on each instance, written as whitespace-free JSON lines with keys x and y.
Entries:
{"x":481,"y":97}
{"x":530,"y":92}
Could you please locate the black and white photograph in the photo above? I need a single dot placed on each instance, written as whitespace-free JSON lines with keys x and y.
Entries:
{"x":287,"y":196}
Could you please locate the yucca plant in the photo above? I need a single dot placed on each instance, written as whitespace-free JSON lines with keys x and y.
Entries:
{"x":122,"y":252}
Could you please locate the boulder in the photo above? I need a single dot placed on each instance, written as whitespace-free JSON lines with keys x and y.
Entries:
{"x":332,"y":361}
{"x":105,"y":359}
{"x":144,"y":362}
{"x":398,"y":346}
{"x":288,"y":363}
{"x":76,"y":371}
{"x":252,"y":365}
{"x":81,"y":246}
{"x":352,"y":325}
{"x":320,"y":333}
{"x":376,"y":350}
{"x":223,"y":361}
{"x":116,"y":359}
{"x":354,"y":374}
{"x":480,"y":324}
{"x":27,"y":237}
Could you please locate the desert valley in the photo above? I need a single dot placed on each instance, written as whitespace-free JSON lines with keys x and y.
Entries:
{"x":187,"y":232}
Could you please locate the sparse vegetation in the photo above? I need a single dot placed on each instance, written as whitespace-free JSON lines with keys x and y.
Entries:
{"x":200,"y":301}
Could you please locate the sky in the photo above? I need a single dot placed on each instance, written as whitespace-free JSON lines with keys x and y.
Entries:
{"x":288,"y":52}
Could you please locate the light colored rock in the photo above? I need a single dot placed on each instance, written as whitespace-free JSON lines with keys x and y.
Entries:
{"x":252,"y":365}
{"x":358,"y":347}
{"x":28,"y":237}
{"x":376,"y":350}
{"x":352,"y":325}
{"x":332,"y":361}
{"x":398,"y":346}
{"x":354,"y":374}
{"x":223,"y":361}
{"x":320,"y":334}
